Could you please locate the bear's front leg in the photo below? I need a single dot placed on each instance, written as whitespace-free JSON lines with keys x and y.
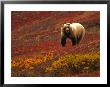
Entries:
{"x":63,"y":41}
{"x":74,"y":41}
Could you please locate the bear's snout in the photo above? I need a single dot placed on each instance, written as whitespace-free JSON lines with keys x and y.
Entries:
{"x":67,"y":30}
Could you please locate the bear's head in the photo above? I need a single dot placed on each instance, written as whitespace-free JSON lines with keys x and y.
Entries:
{"x":67,"y":29}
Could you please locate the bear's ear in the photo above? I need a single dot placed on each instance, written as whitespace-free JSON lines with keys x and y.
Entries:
{"x":62,"y":25}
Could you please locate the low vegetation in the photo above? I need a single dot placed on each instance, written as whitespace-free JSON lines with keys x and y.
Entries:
{"x":46,"y":65}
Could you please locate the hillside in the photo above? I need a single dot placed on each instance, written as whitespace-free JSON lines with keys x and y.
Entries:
{"x":36,"y":35}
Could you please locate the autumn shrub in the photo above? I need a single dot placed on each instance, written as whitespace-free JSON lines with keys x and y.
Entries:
{"x":65,"y":64}
{"x":25,"y":66}
{"x":75,"y":63}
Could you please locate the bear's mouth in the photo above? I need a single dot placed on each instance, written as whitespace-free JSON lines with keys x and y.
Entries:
{"x":67,"y":30}
{"x":67,"y":33}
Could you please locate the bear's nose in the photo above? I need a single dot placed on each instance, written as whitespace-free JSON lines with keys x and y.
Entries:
{"x":67,"y":29}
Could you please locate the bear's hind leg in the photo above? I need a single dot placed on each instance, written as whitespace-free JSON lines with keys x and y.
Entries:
{"x":79,"y":39}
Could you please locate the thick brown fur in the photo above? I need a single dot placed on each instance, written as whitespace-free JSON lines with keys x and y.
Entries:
{"x":74,"y":31}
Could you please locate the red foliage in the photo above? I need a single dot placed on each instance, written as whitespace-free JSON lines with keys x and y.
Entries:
{"x":35,"y":38}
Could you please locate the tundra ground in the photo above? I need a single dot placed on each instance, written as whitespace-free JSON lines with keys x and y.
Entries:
{"x":36,"y":50}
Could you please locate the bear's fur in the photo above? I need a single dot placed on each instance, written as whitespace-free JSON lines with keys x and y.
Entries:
{"x":74,"y":31}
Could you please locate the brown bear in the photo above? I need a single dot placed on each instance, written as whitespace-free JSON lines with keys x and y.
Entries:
{"x":74,"y":31}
